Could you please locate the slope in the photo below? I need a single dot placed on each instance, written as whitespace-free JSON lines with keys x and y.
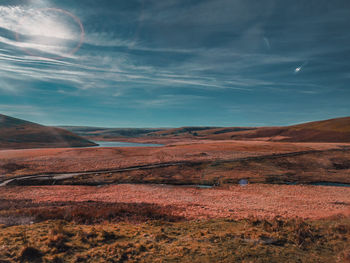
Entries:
{"x":20,"y":134}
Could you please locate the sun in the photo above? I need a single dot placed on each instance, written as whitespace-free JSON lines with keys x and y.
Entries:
{"x":49,"y":33}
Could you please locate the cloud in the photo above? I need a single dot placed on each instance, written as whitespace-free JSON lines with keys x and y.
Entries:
{"x":21,"y":110}
{"x":40,"y":30}
{"x":169,"y":101}
{"x":6,"y":85}
{"x":243,"y":49}
{"x":110,"y":60}
{"x":267,"y":42}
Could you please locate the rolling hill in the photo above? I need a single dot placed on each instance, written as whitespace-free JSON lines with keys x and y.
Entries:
{"x":333,"y":130}
{"x":20,"y":134}
{"x":107,"y":133}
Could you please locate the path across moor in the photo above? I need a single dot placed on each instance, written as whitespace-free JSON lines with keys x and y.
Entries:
{"x":55,"y":177}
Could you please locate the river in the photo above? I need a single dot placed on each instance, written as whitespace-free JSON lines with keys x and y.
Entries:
{"x":125,"y":144}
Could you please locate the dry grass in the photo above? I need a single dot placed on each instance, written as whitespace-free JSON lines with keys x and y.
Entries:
{"x":249,"y":240}
{"x":208,"y":163}
{"x":190,"y":202}
{"x":87,"y":213}
{"x":36,"y":161}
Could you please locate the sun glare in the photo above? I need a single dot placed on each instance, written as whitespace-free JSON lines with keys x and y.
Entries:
{"x":44,"y":32}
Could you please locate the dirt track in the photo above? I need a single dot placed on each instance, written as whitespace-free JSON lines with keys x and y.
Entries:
{"x":52,"y":178}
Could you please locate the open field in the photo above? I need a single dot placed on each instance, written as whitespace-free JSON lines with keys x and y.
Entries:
{"x":154,"y":223}
{"x":333,"y":130}
{"x":143,"y":205}
{"x":236,"y":202}
{"x":204,"y":162}
{"x":248,"y":240}
{"x":168,"y":131}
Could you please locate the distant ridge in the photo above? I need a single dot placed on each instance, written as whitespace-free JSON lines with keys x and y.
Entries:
{"x":332,"y":130}
{"x":20,"y":134}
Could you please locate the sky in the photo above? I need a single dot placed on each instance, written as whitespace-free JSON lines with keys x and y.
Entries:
{"x":172,"y":63}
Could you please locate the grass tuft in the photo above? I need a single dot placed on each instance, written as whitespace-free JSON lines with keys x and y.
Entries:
{"x":30,"y":254}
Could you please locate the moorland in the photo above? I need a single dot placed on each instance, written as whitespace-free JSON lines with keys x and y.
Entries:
{"x":209,"y":194}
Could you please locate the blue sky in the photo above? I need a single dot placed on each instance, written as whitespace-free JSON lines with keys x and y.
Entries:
{"x":170,"y":63}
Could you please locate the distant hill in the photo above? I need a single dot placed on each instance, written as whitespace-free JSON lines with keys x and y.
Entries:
{"x":333,"y":130}
{"x":108,"y":133}
{"x":19,"y":134}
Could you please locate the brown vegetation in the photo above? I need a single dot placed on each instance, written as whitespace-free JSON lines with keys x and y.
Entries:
{"x":237,"y":202}
{"x":333,"y":130}
{"x":205,"y":162}
{"x":20,"y":134}
{"x":33,"y":161}
{"x":248,"y":240}
{"x":259,"y":222}
{"x":86,"y":212}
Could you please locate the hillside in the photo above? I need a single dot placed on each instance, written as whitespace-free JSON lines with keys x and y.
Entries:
{"x":20,"y":134}
{"x":333,"y":130}
{"x":108,"y":133}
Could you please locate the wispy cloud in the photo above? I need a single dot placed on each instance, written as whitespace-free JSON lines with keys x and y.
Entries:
{"x":23,"y":110}
{"x":169,"y":101}
{"x":136,"y":54}
{"x":105,"y":67}
{"x":39,"y":30}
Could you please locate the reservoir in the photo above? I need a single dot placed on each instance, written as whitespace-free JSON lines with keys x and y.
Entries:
{"x":125,"y":144}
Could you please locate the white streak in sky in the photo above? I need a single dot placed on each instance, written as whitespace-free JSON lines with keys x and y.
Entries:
{"x":298,"y":69}
{"x":267,"y":42}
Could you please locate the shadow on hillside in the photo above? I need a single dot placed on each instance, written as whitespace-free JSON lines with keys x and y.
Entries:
{"x":19,"y":212}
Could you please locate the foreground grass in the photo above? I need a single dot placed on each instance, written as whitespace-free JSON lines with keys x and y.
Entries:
{"x":249,"y":240}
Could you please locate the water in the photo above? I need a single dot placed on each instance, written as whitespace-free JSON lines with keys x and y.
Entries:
{"x":202,"y":186}
{"x":125,"y":144}
{"x":243,"y":182}
{"x":330,"y":184}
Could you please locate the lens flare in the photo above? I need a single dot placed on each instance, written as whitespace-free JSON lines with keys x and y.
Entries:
{"x":49,"y":35}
